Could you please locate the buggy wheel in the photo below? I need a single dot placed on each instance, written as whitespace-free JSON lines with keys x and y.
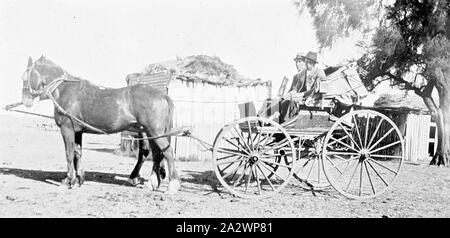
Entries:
{"x":309,"y":164}
{"x":362,"y":154}
{"x":246,"y":157}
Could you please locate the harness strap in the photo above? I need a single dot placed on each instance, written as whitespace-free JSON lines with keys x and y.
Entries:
{"x":51,"y":87}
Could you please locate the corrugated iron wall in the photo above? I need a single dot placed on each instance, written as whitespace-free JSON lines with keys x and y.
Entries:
{"x":417,"y":137}
{"x":207,"y":108}
{"x":157,"y":80}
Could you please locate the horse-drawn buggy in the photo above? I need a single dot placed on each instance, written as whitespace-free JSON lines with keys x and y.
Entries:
{"x":330,"y":142}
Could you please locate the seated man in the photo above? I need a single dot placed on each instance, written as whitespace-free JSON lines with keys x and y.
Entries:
{"x":304,"y":86}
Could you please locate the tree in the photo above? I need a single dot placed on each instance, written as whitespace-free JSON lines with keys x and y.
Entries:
{"x":409,"y":46}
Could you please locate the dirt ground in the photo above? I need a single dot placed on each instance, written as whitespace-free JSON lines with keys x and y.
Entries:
{"x":32,"y":164}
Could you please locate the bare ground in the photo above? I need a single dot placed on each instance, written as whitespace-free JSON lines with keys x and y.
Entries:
{"x":32,"y":164}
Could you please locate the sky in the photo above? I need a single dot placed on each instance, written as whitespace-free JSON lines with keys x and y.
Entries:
{"x":104,"y":40}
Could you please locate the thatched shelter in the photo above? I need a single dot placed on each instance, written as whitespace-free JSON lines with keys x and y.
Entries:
{"x":206,"y":93}
{"x":407,"y":101}
{"x":412,"y":116}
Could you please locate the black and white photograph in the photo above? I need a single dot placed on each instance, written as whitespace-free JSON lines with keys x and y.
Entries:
{"x":252,"y":109}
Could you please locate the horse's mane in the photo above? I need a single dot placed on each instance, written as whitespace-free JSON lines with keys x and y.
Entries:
{"x":46,"y":62}
{"x":52,"y":68}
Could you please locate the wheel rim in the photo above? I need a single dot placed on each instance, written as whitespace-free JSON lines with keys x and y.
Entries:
{"x":309,"y":165}
{"x":362,"y":154}
{"x":247,"y":162}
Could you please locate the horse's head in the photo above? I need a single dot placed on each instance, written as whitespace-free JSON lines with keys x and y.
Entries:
{"x":37,"y":75}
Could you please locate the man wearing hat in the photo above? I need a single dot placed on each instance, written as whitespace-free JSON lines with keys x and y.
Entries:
{"x":305,"y":84}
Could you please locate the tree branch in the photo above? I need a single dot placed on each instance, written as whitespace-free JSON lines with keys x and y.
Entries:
{"x":408,"y":85}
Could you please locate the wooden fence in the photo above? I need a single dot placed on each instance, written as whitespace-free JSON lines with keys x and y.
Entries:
{"x":417,"y":137}
{"x":207,"y":108}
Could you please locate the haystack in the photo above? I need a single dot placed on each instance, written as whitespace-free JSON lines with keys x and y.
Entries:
{"x":210,"y":69}
{"x":409,"y":101}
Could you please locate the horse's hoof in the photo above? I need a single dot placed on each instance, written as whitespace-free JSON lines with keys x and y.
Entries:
{"x":135,"y":181}
{"x":174,"y":187}
{"x":68,"y":182}
{"x":154,"y":182}
{"x":80,"y":180}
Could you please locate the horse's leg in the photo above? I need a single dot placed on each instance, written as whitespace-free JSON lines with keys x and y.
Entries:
{"x":77,"y":158}
{"x":69,"y":141}
{"x":155,"y":178}
{"x":167,"y":151}
{"x":143,"y":152}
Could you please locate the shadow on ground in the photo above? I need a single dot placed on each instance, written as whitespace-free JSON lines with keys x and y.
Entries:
{"x":48,"y":176}
{"x":209,"y":179}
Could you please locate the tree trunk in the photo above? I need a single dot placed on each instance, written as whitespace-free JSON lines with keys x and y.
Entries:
{"x":442,"y":155}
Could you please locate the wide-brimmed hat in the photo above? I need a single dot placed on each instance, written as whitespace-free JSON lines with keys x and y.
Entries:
{"x":311,"y":56}
{"x":299,"y":56}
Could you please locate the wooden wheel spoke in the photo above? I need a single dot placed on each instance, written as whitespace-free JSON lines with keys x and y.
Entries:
{"x":249,"y":138}
{"x":334,"y":166}
{"x":370,"y":179}
{"x":228,"y":166}
{"x":238,"y":147}
{"x":237,"y":181}
{"x":381,"y":139}
{"x":346,"y":167}
{"x":336,"y":141}
{"x":233,"y":171}
{"x":357,"y":131}
{"x":386,"y":146}
{"x":241,"y":136}
{"x":345,"y":162}
{"x":272,"y":171}
{"x":384,"y":166}
{"x":257,"y":180}
{"x":386,"y":156}
{"x":318,"y":169}
{"x":269,"y":155}
{"x":233,"y":161}
{"x":351,"y":178}
{"x":367,"y":130}
{"x":349,"y":136}
{"x":379,"y":175}
{"x":360,"y":179}
{"x":339,"y":157}
{"x":250,"y":173}
{"x":267,"y":178}
{"x":231,"y":152}
{"x":375,"y":133}
{"x":227,"y":157}
{"x":310,"y":170}
{"x":342,"y":143}
{"x":342,"y":153}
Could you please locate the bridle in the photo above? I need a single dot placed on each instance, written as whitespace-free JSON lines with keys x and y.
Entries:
{"x":42,"y":86}
{"x":27,"y":82}
{"x":49,"y":88}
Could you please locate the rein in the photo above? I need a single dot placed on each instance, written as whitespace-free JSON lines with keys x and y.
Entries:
{"x":52,"y":86}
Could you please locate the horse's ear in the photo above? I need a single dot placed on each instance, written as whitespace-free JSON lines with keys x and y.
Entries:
{"x":30,"y":62}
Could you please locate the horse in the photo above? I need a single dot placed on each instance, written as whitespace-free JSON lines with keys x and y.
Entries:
{"x":82,"y":107}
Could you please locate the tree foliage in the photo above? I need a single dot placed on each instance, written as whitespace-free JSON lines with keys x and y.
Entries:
{"x":410,"y":47}
{"x":339,"y":18}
